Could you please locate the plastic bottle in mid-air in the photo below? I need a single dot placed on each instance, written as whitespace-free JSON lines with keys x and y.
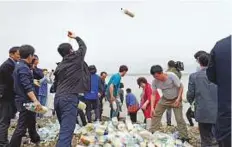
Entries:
{"x":127,"y":12}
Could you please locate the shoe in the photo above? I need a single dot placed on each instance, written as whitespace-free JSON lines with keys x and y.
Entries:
{"x":168,"y":124}
{"x":184,"y":139}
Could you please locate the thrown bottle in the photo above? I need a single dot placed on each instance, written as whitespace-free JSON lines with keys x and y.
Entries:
{"x":127,"y":12}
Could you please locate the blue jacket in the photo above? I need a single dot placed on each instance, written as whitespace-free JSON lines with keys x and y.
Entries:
{"x":219,"y":72}
{"x":95,"y":88}
{"x":23,"y":83}
{"x":131,"y":99}
{"x":205,"y":95}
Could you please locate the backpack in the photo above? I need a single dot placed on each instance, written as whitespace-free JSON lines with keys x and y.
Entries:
{"x":93,"y":93}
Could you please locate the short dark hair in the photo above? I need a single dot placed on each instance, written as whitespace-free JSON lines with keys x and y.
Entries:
{"x":199,"y":53}
{"x":204,"y":60}
{"x":45,"y":69}
{"x":141,"y":80}
{"x":156,"y":69}
{"x":121,"y":85}
{"x":171,"y":64}
{"x":26,"y":50}
{"x":123,"y":68}
{"x":128,"y":90}
{"x":92,"y":69}
{"x":103,"y":73}
{"x":64,"y":49}
{"x":36,"y":57}
{"x":14,"y":49}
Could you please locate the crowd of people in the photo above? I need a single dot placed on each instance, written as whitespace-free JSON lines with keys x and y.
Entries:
{"x":73,"y":81}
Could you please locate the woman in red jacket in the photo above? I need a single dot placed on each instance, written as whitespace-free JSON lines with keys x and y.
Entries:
{"x":146,"y":100}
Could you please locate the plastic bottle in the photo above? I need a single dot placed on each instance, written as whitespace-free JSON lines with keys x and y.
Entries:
{"x":114,"y":104}
{"x":129,"y":124}
{"x":31,"y":107}
{"x":127,"y":12}
{"x":81,"y":105}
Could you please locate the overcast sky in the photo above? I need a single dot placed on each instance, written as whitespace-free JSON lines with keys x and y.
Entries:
{"x":161,"y":30}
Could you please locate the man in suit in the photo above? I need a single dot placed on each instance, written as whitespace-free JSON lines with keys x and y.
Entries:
{"x":219,"y":72}
{"x":25,"y":93}
{"x":7,"y":107}
{"x":204,"y":93}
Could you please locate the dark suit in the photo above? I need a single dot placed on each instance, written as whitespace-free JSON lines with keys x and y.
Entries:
{"x":7,"y":107}
{"x":204,"y":93}
{"x":219,"y":72}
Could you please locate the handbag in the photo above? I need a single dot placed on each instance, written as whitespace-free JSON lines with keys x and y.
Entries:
{"x":133,"y":108}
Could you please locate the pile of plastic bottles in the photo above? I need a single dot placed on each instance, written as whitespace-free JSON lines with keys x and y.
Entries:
{"x":114,"y":134}
{"x":120,"y":134}
{"x":49,"y":132}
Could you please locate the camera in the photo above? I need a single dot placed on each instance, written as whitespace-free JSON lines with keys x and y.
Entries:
{"x":179,"y":65}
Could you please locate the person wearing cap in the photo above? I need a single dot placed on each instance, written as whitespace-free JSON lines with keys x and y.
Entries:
{"x":72,"y":77}
{"x":172,"y":90}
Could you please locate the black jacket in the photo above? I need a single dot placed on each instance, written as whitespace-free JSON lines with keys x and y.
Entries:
{"x":72,"y":74}
{"x":219,"y":72}
{"x":6,"y":80}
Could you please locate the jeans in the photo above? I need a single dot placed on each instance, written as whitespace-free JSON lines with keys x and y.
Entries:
{"x":27,"y":120}
{"x":115,"y":113}
{"x":66,"y":110}
{"x":42,"y":100}
{"x":6,"y":113}
{"x":92,"y":105}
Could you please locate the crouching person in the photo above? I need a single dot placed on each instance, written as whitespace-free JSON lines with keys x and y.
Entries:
{"x":132,"y":105}
{"x":25,"y":93}
{"x":71,"y":78}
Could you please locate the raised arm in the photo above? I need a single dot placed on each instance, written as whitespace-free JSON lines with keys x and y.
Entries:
{"x":82,"y":47}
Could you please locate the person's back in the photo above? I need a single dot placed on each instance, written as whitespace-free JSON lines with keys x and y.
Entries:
{"x":219,"y":72}
{"x":95,"y":85}
{"x":205,"y":98}
{"x":131,"y":99}
{"x":72,"y":75}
